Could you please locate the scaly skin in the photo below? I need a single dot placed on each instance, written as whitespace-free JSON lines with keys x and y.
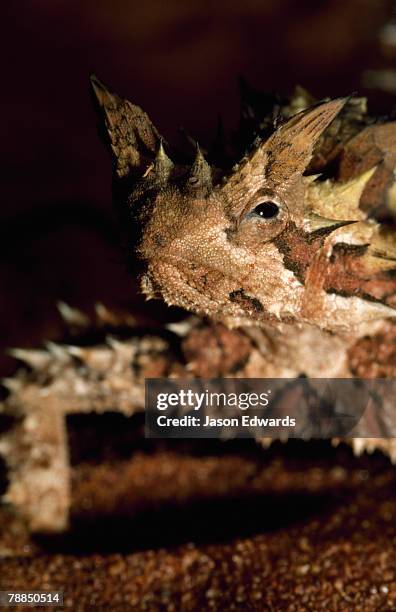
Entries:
{"x":262,"y":245}
{"x":298,"y":259}
{"x":269,"y":244}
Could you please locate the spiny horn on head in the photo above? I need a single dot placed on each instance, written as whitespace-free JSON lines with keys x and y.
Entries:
{"x":200,"y":176}
{"x":132,"y":137}
{"x":163,"y":165}
{"x":282,"y":159}
{"x":334,"y":199}
{"x":315,"y":224}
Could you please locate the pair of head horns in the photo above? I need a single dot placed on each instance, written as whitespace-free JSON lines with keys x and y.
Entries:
{"x":138,"y":149}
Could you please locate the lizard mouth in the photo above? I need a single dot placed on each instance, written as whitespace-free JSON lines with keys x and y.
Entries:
{"x":200,"y":291}
{"x":166,"y":280}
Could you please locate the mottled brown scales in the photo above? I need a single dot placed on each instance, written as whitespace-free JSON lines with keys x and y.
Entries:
{"x":268,"y":243}
{"x":264,"y":231}
{"x":297,"y":262}
{"x":296,"y":250}
{"x":375,"y":356}
{"x":373,"y":146}
{"x":216,"y":351}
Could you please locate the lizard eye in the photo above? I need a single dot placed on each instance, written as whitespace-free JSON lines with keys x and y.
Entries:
{"x":266,"y":210}
{"x":265,"y":217}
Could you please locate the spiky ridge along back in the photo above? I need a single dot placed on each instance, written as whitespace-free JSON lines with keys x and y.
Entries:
{"x":64,"y":379}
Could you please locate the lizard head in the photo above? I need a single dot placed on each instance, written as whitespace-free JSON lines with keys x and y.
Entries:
{"x":258,"y":244}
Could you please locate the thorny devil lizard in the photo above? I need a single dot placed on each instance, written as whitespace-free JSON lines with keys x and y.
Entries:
{"x":267,"y":245}
{"x":294,"y":244}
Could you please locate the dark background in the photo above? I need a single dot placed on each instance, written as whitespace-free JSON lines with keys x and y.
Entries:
{"x":180,"y":61}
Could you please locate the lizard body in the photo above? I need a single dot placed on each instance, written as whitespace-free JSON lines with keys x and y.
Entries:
{"x":305,"y":262}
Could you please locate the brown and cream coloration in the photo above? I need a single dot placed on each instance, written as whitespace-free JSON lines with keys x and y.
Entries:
{"x":62,"y":381}
{"x":263,"y":243}
{"x":306,"y":262}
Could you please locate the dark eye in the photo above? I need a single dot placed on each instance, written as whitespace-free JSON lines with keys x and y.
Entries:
{"x":266,"y":210}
